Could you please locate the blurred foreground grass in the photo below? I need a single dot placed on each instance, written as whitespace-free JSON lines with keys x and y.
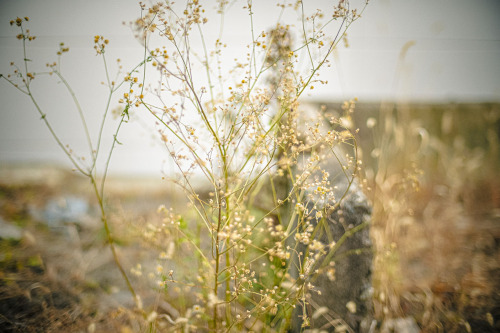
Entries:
{"x":431,"y":172}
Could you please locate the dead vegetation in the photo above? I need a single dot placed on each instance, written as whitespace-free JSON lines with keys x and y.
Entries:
{"x":436,"y":229}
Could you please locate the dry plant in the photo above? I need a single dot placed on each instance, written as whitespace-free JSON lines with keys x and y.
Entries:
{"x":250,"y":167}
{"x":432,"y":221}
{"x":22,"y":79}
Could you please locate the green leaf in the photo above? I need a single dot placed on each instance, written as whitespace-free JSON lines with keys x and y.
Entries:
{"x":182,"y":224}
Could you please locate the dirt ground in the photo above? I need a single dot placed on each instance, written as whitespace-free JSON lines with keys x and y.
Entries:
{"x":57,"y":274}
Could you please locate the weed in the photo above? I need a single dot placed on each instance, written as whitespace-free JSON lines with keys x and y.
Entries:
{"x":238,"y":132}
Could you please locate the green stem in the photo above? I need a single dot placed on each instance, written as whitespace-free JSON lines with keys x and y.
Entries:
{"x":80,"y":111}
{"x":217,"y":263}
{"x":104,"y":220}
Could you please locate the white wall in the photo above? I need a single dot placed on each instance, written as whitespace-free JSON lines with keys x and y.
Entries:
{"x":455,"y":57}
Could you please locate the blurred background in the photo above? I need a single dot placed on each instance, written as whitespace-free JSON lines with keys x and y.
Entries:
{"x":427,"y":76}
{"x":399,"y":51}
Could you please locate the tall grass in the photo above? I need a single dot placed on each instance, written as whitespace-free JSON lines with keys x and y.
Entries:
{"x":432,"y":173}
